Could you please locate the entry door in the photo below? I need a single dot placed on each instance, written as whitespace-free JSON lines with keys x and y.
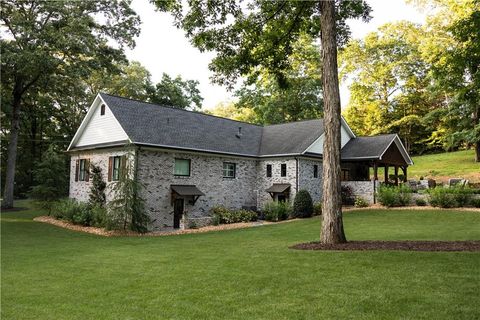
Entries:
{"x":281,"y":197}
{"x":177,"y":212}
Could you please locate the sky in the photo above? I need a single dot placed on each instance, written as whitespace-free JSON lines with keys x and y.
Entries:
{"x":161,"y":47}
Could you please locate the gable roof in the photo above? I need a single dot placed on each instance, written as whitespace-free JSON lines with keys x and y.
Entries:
{"x":161,"y":126}
{"x":373,"y":148}
{"x":290,"y":138}
{"x":167,"y":127}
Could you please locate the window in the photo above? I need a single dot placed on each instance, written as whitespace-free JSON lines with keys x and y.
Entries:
{"x":116,"y":168}
{"x":182,"y":167}
{"x":269,"y":170}
{"x":315,"y":171}
{"x":102,"y":110}
{"x":229,"y":169}
{"x":283,"y":170}
{"x":82,"y":172}
{"x":345,"y":174}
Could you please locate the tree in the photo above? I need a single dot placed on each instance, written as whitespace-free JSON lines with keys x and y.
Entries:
{"x":390,"y":85}
{"x":261,"y":36}
{"x":300,"y":95}
{"x":231,"y":111}
{"x":51,"y":178}
{"x":47,"y":41}
{"x":127,"y":208}
{"x":97,"y":190}
{"x":178,"y":93}
{"x":452,"y":48}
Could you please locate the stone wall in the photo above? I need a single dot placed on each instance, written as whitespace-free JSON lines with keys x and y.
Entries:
{"x":363,"y":189}
{"x":307,"y":181}
{"x":80,"y":190}
{"x":263,"y":182}
{"x":155,"y":171}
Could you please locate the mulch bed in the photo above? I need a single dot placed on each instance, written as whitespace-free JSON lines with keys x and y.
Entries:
{"x":393,"y":245}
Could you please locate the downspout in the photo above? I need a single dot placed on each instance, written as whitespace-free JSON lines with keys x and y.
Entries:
{"x":296,"y":175}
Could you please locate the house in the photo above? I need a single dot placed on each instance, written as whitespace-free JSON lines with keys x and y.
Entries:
{"x":189,"y":162}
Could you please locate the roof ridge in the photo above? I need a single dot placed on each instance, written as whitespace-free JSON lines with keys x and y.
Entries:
{"x":304,"y":120}
{"x":191,"y":111}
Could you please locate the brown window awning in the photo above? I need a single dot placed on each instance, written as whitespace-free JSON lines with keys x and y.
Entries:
{"x":186,"y":190}
{"x":278,"y":188}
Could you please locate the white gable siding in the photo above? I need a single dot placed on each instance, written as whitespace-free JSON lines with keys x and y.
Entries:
{"x":317,"y":146}
{"x":100,"y":129}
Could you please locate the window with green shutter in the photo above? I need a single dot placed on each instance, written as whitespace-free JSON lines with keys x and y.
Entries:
{"x":116,"y":168}
{"x":182,"y":167}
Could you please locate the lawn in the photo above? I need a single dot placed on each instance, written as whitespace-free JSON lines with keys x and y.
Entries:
{"x":52,"y":273}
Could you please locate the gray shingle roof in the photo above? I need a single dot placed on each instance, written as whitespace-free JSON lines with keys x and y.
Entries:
{"x":151,"y":124}
{"x":367,"y":147}
{"x":177,"y":128}
{"x":288,"y":138}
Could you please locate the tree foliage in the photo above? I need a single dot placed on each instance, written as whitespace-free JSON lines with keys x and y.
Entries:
{"x":97,"y":190}
{"x":51,"y":178}
{"x":176,"y":92}
{"x":300,"y":96}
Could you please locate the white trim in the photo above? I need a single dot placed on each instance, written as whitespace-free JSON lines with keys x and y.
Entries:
{"x":314,"y":142}
{"x":98,"y":100}
{"x":349,"y":130}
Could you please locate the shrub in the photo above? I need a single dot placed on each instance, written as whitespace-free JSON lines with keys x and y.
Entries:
{"x":420,"y":202}
{"x":277,"y":211}
{"x":317,"y":208}
{"x":99,"y":216}
{"x":73,"y":211}
{"x":222,"y":215}
{"x":97,"y":191}
{"x":393,"y":196}
{"x":361,"y":203}
{"x":441,"y":197}
{"x":347,"y":196}
{"x":303,"y":204}
{"x":450,"y":197}
{"x":475,"y":202}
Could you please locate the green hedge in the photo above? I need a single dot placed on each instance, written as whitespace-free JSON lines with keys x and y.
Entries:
{"x":222,"y":215}
{"x":451,"y":197}
{"x":394,"y":196}
{"x":79,"y":213}
{"x":277,"y":211}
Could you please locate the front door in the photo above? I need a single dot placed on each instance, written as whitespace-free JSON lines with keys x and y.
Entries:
{"x":177,"y":212}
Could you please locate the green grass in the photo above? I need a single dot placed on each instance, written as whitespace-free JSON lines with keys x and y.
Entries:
{"x":52,"y":273}
{"x":450,"y":164}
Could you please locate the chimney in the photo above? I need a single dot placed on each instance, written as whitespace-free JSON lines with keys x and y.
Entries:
{"x":239,"y":134}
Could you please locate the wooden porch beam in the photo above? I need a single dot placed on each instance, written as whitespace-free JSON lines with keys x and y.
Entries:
{"x":386,"y":173}
{"x":396,"y":175}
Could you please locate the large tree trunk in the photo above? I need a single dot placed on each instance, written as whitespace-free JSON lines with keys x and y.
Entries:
{"x":476,"y":121}
{"x":332,"y":224}
{"x":12,"y":148}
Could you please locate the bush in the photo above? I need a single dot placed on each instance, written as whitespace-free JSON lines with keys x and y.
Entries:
{"x":393,"y":196}
{"x":303,"y":204}
{"x":222,"y":215}
{"x":277,"y":211}
{"x":475,"y":202}
{"x":420,"y":202}
{"x":450,"y":197}
{"x":317,"y":208}
{"x":347,"y":196}
{"x":75,"y":212}
{"x":361,"y":203}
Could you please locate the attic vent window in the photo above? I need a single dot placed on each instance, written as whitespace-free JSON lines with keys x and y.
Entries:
{"x":102,"y":110}
{"x":239,"y":134}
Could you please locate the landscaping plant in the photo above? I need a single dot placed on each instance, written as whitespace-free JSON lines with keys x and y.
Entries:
{"x":360,"y":202}
{"x":222,"y":215}
{"x":452,"y":197}
{"x":394,"y":196}
{"x":303,"y":204}
{"x":277,"y":211}
{"x":97,"y":190}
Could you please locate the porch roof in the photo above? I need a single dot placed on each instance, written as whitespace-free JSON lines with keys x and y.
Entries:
{"x":278,"y":188}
